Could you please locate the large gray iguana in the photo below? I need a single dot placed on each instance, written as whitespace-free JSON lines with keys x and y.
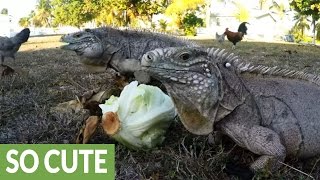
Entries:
{"x":121,"y":50}
{"x":272,"y":112}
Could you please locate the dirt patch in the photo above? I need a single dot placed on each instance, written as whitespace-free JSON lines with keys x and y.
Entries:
{"x":46,"y":75}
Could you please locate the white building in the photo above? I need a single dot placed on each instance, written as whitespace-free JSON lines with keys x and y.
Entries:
{"x":266,"y":23}
{"x":6,"y":25}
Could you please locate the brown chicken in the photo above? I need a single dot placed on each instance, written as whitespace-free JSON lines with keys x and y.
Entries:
{"x":235,"y":37}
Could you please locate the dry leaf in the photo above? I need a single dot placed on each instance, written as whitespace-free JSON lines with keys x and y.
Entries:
{"x":88,"y":129}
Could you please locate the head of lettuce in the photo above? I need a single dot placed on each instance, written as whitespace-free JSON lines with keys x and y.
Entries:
{"x":138,"y":118}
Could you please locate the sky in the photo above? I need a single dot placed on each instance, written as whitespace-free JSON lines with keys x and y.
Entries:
{"x":18,"y":8}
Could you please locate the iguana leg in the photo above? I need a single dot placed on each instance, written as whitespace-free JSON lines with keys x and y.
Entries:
{"x":259,"y":140}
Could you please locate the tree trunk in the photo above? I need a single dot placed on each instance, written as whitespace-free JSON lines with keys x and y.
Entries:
{"x":314,"y":30}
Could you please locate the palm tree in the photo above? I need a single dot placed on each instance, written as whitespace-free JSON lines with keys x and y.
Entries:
{"x":262,"y":3}
{"x":42,"y":18}
{"x":24,"y":22}
{"x":300,"y":26}
{"x":242,"y":14}
{"x":278,"y":8}
{"x":302,"y":23}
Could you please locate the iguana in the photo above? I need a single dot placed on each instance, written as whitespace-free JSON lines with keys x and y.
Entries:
{"x":121,"y":50}
{"x":270,"y":111}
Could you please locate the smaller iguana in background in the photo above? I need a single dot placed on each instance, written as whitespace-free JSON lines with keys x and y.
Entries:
{"x":121,"y":50}
{"x":9,"y":46}
{"x":270,"y":111}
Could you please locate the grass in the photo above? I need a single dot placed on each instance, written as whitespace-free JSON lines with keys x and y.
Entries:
{"x":48,"y":76}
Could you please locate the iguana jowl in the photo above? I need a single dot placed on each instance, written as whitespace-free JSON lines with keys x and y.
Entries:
{"x":120,"y":49}
{"x":272,"y":112}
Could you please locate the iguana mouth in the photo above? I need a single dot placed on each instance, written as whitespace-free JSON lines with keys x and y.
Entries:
{"x":170,"y":73}
{"x":150,"y":68}
{"x":67,"y":45}
{"x":74,"y":46}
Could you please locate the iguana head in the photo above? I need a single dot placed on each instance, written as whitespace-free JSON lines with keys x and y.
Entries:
{"x":192,"y":79}
{"x":84,"y":43}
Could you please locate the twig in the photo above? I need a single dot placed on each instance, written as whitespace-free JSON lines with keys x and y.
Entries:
{"x":314,"y":165}
{"x":77,"y":84}
{"x":297,"y":170}
{"x":177,"y":167}
{"x":184,"y":147}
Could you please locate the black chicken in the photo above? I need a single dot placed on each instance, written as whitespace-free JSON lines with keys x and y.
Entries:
{"x":9,"y":46}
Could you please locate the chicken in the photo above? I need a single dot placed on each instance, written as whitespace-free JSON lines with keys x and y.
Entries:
{"x":243,"y":28}
{"x":9,"y":46}
{"x":220,"y":38}
{"x":235,"y":37}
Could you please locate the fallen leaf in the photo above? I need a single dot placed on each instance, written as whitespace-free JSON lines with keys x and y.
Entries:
{"x":88,"y":129}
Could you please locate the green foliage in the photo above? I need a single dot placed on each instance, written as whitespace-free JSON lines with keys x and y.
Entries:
{"x":42,"y":16}
{"x":181,"y":6}
{"x":308,"y":8}
{"x":163,"y":25}
{"x":178,"y":9}
{"x":242,"y":14}
{"x":71,"y":12}
{"x":299,"y":28}
{"x":279,"y":8}
{"x":153,"y":25}
{"x":128,"y":12}
{"x":24,"y":22}
{"x":190,"y":23}
{"x":4,"y":11}
{"x":113,"y":14}
{"x":45,"y":5}
{"x":109,"y":12}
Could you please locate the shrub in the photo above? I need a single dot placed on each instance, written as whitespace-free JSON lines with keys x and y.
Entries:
{"x":190,"y":22}
{"x":163,"y":25}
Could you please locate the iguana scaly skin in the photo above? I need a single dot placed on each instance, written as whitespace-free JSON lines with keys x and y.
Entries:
{"x":121,"y":50}
{"x":272,"y":112}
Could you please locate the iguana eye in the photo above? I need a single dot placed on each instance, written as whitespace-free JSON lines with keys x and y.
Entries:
{"x":77,"y":35}
{"x":184,"y":56}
